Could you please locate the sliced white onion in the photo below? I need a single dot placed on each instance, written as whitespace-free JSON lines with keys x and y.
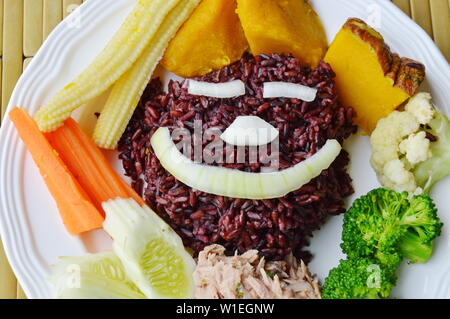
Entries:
{"x":249,"y":131}
{"x":289,"y":90}
{"x":218,"y":90}
{"x":237,"y":184}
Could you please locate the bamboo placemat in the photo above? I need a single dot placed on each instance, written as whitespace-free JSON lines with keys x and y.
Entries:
{"x":25,"y":24}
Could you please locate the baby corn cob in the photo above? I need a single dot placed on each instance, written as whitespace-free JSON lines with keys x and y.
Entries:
{"x":127,"y":91}
{"x":116,"y":58}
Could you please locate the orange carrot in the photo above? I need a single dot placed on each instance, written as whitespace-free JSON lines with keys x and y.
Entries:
{"x":78,"y":213}
{"x":88,"y":164}
{"x":101,"y":161}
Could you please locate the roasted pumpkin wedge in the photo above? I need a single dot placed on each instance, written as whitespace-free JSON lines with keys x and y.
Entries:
{"x":370,"y":78}
{"x":209,"y":40}
{"x":283,"y":26}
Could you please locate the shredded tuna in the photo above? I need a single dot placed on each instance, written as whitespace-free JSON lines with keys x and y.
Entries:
{"x":249,"y":276}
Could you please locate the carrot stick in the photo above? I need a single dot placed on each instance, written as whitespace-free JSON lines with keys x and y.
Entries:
{"x":101,"y":160}
{"x":78,"y":213}
{"x":66,"y":146}
{"x":89,"y":165}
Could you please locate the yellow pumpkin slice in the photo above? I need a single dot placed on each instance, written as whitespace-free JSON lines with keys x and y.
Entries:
{"x":209,"y":40}
{"x":369,"y":77}
{"x":283,"y":26}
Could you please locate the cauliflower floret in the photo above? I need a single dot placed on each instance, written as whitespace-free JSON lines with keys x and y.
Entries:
{"x":385,"y":142}
{"x":386,"y":138}
{"x":425,"y":162}
{"x":421,"y":107}
{"x":397,"y":177}
{"x":416,"y":148}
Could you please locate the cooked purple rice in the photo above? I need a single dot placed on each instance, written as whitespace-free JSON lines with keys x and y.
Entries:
{"x":277,"y":226}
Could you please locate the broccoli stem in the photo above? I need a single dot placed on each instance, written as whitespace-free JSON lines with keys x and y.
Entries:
{"x":413,"y":248}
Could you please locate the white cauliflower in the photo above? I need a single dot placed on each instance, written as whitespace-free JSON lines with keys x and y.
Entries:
{"x":416,"y":148}
{"x":420,"y":106}
{"x":399,"y":135}
{"x":388,"y":135}
{"x":397,"y":177}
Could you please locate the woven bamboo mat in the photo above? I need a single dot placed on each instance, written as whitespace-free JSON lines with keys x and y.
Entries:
{"x":25,"y":24}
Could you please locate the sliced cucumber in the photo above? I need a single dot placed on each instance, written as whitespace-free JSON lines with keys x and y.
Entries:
{"x":152,"y":253}
{"x":237,"y":184}
{"x":93,"y":276}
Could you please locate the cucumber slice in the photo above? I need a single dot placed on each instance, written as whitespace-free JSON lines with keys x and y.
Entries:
{"x":237,"y":184}
{"x":93,"y":276}
{"x":152,"y":253}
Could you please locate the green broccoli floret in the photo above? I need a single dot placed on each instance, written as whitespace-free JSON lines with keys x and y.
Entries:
{"x":361,"y":278}
{"x":423,"y":227}
{"x":384,"y":223}
{"x":369,"y":227}
{"x":413,"y":248}
{"x":421,"y":218}
{"x":437,"y":167}
{"x":390,"y":262}
{"x":379,"y":230}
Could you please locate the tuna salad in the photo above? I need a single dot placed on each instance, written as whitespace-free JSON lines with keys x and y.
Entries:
{"x":249,"y":276}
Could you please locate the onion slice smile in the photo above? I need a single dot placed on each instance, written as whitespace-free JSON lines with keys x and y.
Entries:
{"x":237,"y":184}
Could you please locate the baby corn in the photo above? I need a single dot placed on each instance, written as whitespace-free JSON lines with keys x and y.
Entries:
{"x":127,"y":91}
{"x":116,"y":58}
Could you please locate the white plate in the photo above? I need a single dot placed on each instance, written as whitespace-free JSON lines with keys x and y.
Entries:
{"x":31,"y":229}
